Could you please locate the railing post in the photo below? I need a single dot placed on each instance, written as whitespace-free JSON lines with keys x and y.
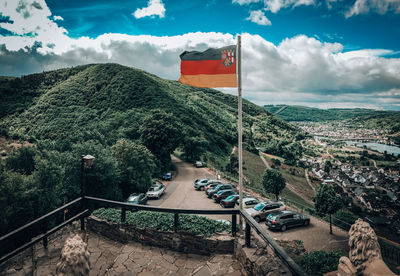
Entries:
{"x":82,"y":223}
{"x":123,"y":215}
{"x":176,"y":221}
{"x":248,"y":234}
{"x":44,"y":230}
{"x":233,"y":225}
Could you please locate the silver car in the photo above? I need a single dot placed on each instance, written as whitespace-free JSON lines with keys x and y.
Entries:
{"x":200,"y":185}
{"x":263,"y":209}
{"x":156,"y":191}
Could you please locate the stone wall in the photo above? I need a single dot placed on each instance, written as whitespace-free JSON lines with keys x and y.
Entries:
{"x":259,"y":259}
{"x":180,"y":241}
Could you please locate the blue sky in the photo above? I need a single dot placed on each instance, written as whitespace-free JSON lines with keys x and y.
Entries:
{"x":322,"y":53}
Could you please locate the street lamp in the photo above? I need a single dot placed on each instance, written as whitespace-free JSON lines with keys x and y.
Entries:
{"x":86,"y":163}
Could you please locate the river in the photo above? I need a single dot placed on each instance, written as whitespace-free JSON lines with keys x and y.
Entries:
{"x":377,"y":147}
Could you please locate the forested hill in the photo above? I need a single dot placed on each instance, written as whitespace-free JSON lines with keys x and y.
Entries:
{"x":130,"y":120}
{"x":106,"y":102}
{"x":371,"y":118}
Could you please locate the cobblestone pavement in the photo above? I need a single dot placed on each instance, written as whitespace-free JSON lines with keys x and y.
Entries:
{"x":108,"y":257}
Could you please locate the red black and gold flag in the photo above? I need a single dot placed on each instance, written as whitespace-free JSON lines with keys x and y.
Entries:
{"x":211,"y":68}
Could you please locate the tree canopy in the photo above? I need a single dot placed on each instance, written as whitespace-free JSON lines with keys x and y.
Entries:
{"x":327,"y":202}
{"x":273,"y":182}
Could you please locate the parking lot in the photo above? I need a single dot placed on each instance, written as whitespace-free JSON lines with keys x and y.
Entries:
{"x":181,"y":194}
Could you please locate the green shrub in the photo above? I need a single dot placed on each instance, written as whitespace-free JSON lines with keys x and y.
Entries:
{"x":317,"y":263}
{"x":344,"y":219}
{"x":165,"y":221}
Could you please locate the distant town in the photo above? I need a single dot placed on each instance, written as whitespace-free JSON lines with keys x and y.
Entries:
{"x":367,"y":180}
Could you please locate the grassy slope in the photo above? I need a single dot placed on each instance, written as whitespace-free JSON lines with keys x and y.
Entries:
{"x":254,"y":170}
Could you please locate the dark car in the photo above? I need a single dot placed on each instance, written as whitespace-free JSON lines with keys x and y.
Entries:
{"x":220,"y":187}
{"x":231,"y":200}
{"x":223,"y":194}
{"x":284,"y":219}
{"x":137,"y":198}
{"x":167,"y":176}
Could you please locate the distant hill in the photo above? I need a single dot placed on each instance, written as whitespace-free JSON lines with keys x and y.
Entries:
{"x":106,"y":102}
{"x":388,"y":120}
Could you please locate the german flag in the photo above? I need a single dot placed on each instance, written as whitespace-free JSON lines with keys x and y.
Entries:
{"x":211,"y":68}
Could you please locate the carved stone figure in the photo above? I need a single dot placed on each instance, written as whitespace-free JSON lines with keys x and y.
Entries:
{"x":74,"y":258}
{"x":365,"y":253}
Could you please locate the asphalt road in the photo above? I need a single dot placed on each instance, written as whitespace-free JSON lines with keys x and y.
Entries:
{"x":181,"y":194}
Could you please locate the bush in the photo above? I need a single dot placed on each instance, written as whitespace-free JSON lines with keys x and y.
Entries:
{"x":344,"y":219}
{"x":317,"y":263}
{"x":165,"y":221}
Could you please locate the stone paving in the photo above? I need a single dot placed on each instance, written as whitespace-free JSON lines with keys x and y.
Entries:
{"x":109,"y":257}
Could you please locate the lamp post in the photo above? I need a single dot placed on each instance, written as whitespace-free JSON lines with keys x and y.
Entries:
{"x":86,"y":163}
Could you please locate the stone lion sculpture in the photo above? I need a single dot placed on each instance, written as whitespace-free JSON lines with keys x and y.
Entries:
{"x":365,"y":253}
{"x":74,"y":258}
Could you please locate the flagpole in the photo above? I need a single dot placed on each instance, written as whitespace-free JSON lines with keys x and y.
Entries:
{"x":240,"y":126}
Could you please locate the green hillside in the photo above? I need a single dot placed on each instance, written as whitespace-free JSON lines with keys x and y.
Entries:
{"x":130,"y":120}
{"x":371,"y":118}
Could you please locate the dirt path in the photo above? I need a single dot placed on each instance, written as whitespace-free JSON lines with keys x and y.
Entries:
{"x":308,"y":181}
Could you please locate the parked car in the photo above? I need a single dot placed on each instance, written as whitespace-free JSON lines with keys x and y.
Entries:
{"x":229,"y":202}
{"x":199,"y":184}
{"x":284,"y":219}
{"x":137,"y":198}
{"x":263,"y":209}
{"x":248,"y":202}
{"x":210,"y":187}
{"x":198,"y":164}
{"x":223,"y":194}
{"x":219,"y":187}
{"x":156,"y":190}
{"x":167,"y":176}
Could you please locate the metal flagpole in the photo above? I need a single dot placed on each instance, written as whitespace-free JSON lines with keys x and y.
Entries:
{"x":240,"y":126}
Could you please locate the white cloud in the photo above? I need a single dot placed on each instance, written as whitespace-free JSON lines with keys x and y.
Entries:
{"x":57,"y":17}
{"x":29,"y":19}
{"x":259,"y":18}
{"x":377,"y":6}
{"x":154,"y":8}
{"x":300,"y":70}
{"x":276,"y":5}
{"x":245,"y":2}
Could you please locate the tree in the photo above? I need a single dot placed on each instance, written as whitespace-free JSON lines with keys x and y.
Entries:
{"x":273,"y":182}
{"x":276,"y":161}
{"x":137,"y":166}
{"x":327,"y":202}
{"x":161,"y":134}
{"x":22,"y":160}
{"x":233,"y":165}
{"x":194,"y":147}
{"x":328,"y":166}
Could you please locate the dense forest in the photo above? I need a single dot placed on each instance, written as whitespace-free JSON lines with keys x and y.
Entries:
{"x":370,"y":118}
{"x":130,"y":120}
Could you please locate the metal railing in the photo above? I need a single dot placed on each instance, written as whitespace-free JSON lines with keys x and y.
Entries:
{"x":128,"y":206}
{"x":42,"y":222}
{"x":84,"y":212}
{"x":285,"y":258}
